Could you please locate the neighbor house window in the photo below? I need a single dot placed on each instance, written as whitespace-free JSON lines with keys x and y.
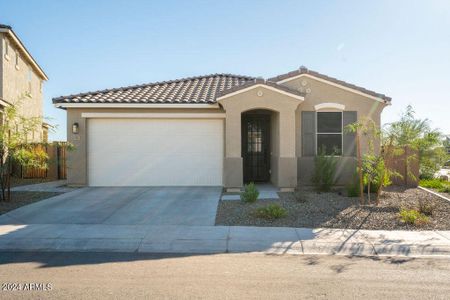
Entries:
{"x":29,"y":77}
{"x":329,"y":133}
{"x":6,"y":48}
{"x":17,"y":60}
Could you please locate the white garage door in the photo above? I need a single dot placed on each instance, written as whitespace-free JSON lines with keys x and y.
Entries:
{"x":155,"y":152}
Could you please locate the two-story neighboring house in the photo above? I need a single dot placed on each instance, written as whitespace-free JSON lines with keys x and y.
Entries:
{"x":21,"y":79}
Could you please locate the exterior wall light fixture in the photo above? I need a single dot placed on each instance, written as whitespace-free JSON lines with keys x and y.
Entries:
{"x":75,"y":128}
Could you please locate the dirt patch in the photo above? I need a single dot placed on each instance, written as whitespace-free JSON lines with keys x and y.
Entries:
{"x":26,"y":181}
{"x":19,"y":199}
{"x":307,"y":208}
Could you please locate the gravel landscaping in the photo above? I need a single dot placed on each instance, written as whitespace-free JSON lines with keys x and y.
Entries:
{"x":26,"y":181}
{"x":306,"y":208}
{"x":19,"y":199}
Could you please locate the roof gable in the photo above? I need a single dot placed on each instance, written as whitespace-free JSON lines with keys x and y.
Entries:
{"x":8,"y":30}
{"x":261,"y":83}
{"x":303,"y":71}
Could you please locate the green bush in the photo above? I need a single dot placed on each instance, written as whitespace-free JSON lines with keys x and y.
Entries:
{"x":271,"y":211}
{"x":445,"y":189}
{"x":412,"y":217}
{"x":432,"y":183}
{"x":250,"y":193}
{"x":323,"y":177}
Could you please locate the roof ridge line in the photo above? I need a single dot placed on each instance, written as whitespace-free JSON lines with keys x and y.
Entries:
{"x":152,"y":84}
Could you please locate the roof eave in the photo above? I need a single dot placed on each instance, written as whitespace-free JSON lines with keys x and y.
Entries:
{"x":15,"y":38}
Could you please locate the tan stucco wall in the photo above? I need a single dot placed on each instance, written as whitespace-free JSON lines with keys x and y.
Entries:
{"x":287,"y":164}
{"x":284,"y":174}
{"x":320,"y":92}
{"x":14,"y":84}
{"x":77,"y":158}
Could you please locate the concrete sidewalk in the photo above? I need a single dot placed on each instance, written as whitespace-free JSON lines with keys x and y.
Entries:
{"x":222,"y":239}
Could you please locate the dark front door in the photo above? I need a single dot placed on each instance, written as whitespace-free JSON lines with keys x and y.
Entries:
{"x":256,"y":147}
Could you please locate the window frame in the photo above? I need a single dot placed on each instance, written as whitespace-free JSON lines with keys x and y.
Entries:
{"x":341,"y":133}
{"x":17,"y":60}
{"x":30,"y":81}
{"x":6,"y":48}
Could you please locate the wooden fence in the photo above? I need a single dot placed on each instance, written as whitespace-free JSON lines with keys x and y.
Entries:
{"x":406,"y":162}
{"x":57,"y":165}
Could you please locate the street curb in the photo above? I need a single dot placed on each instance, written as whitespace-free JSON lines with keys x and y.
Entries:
{"x":233,"y":239}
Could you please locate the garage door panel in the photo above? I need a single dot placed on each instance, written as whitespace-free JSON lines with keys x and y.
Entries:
{"x":152,"y":152}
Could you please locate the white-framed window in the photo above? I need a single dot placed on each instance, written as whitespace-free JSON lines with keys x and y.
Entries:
{"x":329,"y":133}
{"x":29,"y":79}
{"x":17,"y":60}
{"x":6,"y":49}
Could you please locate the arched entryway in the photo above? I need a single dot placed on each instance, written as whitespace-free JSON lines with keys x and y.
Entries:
{"x":258,"y":138}
{"x":278,"y":161}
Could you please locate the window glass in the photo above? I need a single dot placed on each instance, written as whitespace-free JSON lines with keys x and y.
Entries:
{"x":6,"y":47}
{"x":329,"y":133}
{"x":330,"y":144}
{"x":328,"y":122}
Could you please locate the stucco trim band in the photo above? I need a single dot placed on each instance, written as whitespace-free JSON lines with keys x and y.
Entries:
{"x":329,"y":105}
{"x":154,"y":115}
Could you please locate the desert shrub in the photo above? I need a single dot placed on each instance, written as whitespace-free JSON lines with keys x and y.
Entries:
{"x":425,"y":207}
{"x":323,"y":177}
{"x":445,"y":189}
{"x":250,"y":193}
{"x":413,"y":217}
{"x":432,"y":183}
{"x":271,"y":211}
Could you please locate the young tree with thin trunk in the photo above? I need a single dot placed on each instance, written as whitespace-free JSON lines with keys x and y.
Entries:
{"x":16,"y":131}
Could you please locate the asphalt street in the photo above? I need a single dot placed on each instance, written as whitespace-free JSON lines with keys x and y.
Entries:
{"x":87,"y":275}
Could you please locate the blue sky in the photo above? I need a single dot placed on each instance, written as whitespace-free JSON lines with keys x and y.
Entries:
{"x":400,"y":48}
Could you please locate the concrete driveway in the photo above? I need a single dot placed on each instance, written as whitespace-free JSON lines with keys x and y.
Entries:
{"x":123,"y":206}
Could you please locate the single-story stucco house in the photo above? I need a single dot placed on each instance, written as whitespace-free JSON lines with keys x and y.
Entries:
{"x":215,"y":130}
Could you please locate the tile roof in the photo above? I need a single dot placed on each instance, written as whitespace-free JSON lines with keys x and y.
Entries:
{"x":304,"y":70}
{"x":191,"y":90}
{"x":261,"y":81}
{"x":200,"y":89}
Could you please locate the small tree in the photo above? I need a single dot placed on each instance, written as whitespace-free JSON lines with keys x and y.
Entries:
{"x":15,"y":133}
{"x":371,"y":169}
{"x":418,"y":135}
